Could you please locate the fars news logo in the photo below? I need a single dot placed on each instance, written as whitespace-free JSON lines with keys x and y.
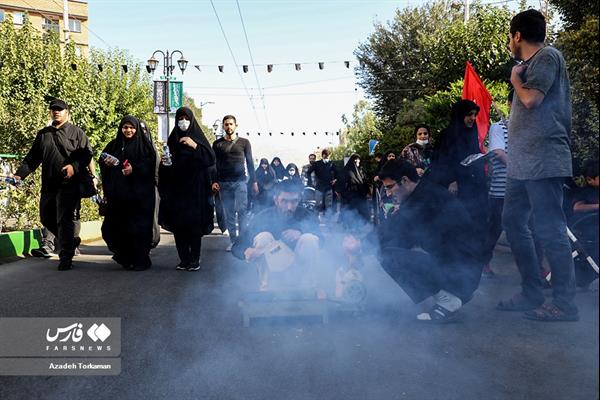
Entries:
{"x":70,"y":336}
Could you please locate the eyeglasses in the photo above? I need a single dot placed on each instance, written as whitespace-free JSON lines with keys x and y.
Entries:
{"x":390,"y":186}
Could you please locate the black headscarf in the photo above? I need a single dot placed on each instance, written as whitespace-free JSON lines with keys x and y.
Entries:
{"x":194,"y":132}
{"x":264,"y":176}
{"x":280,"y":171}
{"x":454,"y":144}
{"x":134,"y":149}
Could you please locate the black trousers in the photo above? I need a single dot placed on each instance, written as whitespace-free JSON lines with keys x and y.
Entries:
{"x":188,"y":244}
{"x":420,"y":275}
{"x":57,"y":209}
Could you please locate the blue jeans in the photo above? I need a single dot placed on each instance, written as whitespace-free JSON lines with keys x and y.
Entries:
{"x":235,"y":201}
{"x":543,"y":198}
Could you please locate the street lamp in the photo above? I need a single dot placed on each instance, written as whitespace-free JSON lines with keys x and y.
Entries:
{"x":203,"y":103}
{"x":168,"y":69}
{"x":216,"y":126}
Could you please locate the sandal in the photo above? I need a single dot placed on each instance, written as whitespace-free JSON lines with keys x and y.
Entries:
{"x":550,"y":313}
{"x":517,"y":303}
{"x":437,"y":315}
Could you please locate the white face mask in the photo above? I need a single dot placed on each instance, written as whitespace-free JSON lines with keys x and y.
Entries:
{"x":183,"y":124}
{"x":357,"y":163}
{"x":422,"y":142}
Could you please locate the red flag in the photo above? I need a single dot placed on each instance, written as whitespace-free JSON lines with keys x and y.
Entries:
{"x":475,"y":91}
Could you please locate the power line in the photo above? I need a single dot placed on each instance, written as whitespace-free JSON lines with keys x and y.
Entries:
{"x":236,"y":63}
{"x":262,"y":99}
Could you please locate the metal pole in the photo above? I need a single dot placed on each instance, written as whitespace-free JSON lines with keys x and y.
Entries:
{"x":168,"y":105}
{"x":467,"y":11}
{"x":66,"y":20}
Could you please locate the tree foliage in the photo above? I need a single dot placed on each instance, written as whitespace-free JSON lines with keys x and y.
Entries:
{"x":34,"y":69}
{"x":424,"y":48}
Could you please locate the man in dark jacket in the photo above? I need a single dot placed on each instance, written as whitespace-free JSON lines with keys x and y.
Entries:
{"x":326,"y":176}
{"x":286,"y":228}
{"x":64,"y":152}
{"x":448,"y":262}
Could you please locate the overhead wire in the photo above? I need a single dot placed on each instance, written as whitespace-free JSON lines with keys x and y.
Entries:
{"x":236,"y":63}
{"x":260,"y":92}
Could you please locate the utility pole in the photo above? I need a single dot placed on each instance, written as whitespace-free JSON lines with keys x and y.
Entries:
{"x":66,"y":20}
{"x":467,"y":11}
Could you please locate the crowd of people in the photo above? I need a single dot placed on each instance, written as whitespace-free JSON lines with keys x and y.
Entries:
{"x":437,"y":218}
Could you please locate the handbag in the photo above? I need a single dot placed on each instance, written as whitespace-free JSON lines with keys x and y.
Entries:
{"x":86,"y":187}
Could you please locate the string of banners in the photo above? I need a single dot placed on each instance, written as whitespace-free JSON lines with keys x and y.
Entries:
{"x":270,"y":67}
{"x":327,"y":133}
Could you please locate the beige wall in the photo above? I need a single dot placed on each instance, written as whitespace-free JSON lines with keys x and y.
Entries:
{"x":38,"y":10}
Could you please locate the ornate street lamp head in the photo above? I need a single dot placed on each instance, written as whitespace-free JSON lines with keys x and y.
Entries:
{"x":152,"y":64}
{"x":182,"y":62}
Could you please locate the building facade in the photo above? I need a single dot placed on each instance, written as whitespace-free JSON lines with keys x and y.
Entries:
{"x":47,"y":15}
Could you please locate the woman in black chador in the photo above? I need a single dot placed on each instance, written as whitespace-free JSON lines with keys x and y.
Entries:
{"x":265,"y":177}
{"x":130,"y":191}
{"x":185,"y":189}
{"x":354,"y":188}
{"x":280,"y":172}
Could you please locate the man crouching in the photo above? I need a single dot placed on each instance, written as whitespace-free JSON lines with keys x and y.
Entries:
{"x":426,"y":243}
{"x":281,"y":238}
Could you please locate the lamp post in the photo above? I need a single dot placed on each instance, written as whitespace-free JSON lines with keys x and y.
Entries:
{"x":216,"y":127}
{"x":168,"y":69}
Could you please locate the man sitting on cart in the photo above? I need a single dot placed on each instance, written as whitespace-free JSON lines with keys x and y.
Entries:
{"x":283,"y":237}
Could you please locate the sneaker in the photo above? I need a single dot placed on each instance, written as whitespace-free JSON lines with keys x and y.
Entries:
{"x":42,"y":252}
{"x":488,"y":272}
{"x":77,"y":252}
{"x":65,"y":265}
{"x":195,"y":266}
{"x":181,"y":267}
{"x":229,"y":247}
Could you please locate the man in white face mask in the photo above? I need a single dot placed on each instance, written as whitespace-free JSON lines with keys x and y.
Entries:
{"x":420,"y":152}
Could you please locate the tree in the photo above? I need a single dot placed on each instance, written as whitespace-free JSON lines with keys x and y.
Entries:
{"x":355,"y":137}
{"x":425,"y":48}
{"x":35,"y":68}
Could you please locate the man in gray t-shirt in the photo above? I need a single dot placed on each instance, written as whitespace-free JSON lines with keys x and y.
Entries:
{"x":538,"y":162}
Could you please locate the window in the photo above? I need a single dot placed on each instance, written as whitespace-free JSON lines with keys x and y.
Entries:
{"x":50,"y":25}
{"x":1,"y":15}
{"x":19,"y":18}
{"x":75,"y":25}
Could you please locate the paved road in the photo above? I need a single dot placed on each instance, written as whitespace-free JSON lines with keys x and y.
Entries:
{"x":183,"y":338}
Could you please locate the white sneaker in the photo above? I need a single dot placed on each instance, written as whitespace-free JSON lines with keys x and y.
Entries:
{"x":229,"y":247}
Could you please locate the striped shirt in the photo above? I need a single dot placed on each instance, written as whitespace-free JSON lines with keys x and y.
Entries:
{"x":498,"y":141}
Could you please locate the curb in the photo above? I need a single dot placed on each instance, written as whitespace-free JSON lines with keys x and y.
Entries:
{"x":21,"y":243}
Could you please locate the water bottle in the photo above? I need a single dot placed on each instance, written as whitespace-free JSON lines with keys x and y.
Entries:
{"x":109,"y":158}
{"x":166,"y":160}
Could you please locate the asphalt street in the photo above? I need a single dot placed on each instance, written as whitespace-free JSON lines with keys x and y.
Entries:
{"x":183,"y":338}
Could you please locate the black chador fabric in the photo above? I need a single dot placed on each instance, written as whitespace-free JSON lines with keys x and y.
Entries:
{"x":185,"y":186}
{"x":265,"y":177}
{"x":455,"y":143}
{"x":433,"y":220}
{"x":280,"y":171}
{"x":296,"y":177}
{"x":353,"y":182}
{"x":131,"y":200}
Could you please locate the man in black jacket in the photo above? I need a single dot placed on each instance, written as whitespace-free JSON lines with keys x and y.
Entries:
{"x":284,"y":227}
{"x":326,"y":176}
{"x":64,"y":152}
{"x":427,"y":243}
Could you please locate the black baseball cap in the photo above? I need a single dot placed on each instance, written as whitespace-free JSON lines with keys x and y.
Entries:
{"x":57,"y":103}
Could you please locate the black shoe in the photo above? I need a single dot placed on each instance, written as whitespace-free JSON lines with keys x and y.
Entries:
{"x":195,"y":266}
{"x":65,"y":265}
{"x":122,"y":262}
{"x":182,"y":266}
{"x":42,"y":252}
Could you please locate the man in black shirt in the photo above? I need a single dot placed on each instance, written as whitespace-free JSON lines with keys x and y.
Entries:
{"x":64,"y":152}
{"x":234,"y":158}
{"x":427,"y":242}
{"x":326,"y":176}
{"x":283,"y":237}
